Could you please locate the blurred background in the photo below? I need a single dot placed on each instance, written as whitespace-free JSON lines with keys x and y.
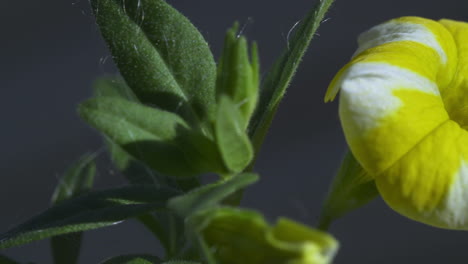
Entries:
{"x":51,"y":51}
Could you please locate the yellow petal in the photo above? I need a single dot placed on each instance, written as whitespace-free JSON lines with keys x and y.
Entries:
{"x":404,"y":110}
{"x":456,"y":96}
{"x":424,"y":184}
{"x":425,"y":35}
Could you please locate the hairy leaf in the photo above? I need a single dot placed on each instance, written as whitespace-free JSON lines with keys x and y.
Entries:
{"x":160,"y":54}
{"x":280,"y":75}
{"x":135,"y":171}
{"x":160,"y":139}
{"x":89,"y":211}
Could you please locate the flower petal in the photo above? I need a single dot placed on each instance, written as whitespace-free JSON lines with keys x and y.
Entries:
{"x":456,"y":97}
{"x":390,"y":97}
{"x":404,"y":111}
{"x":430,"y":183}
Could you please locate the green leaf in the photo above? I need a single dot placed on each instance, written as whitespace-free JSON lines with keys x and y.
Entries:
{"x":160,"y":139}
{"x":210,"y":195}
{"x":232,"y":139}
{"x":352,"y":188}
{"x":77,"y":180}
{"x":89,"y":211}
{"x":238,"y":78}
{"x":280,"y":75}
{"x":133,"y":259}
{"x":135,"y":172}
{"x":161,"y":55}
{"x":240,"y":236}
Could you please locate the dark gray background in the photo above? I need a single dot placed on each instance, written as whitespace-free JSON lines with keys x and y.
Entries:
{"x":50,"y":52}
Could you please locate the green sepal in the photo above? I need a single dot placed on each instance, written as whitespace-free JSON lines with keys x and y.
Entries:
{"x":160,"y":139}
{"x":210,"y":195}
{"x":90,"y":211}
{"x":133,"y":259}
{"x":231,"y":138}
{"x":78,"y":179}
{"x":238,"y":77}
{"x":352,"y":188}
{"x":240,"y":236}
{"x":161,"y":55}
{"x":282,"y":72}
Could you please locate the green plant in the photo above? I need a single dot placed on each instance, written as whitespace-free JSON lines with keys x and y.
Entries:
{"x":176,"y":113}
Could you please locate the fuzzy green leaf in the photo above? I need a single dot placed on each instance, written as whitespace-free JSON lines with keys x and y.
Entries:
{"x":133,"y":259}
{"x":280,"y":75}
{"x":77,"y":180}
{"x":210,"y":195}
{"x":89,"y":211}
{"x":160,"y":139}
{"x":232,"y":139}
{"x":160,"y":54}
{"x":135,"y":171}
{"x":352,"y":188}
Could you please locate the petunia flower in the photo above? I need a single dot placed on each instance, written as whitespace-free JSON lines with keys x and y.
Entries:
{"x":404,"y":111}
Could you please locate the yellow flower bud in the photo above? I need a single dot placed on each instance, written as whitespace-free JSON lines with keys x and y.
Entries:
{"x":240,"y":236}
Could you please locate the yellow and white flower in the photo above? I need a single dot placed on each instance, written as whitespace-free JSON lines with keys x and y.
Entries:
{"x":404,"y":112}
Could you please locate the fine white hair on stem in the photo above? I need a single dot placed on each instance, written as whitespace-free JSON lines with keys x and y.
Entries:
{"x":290,"y":32}
{"x":244,"y":26}
{"x":325,"y":20}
